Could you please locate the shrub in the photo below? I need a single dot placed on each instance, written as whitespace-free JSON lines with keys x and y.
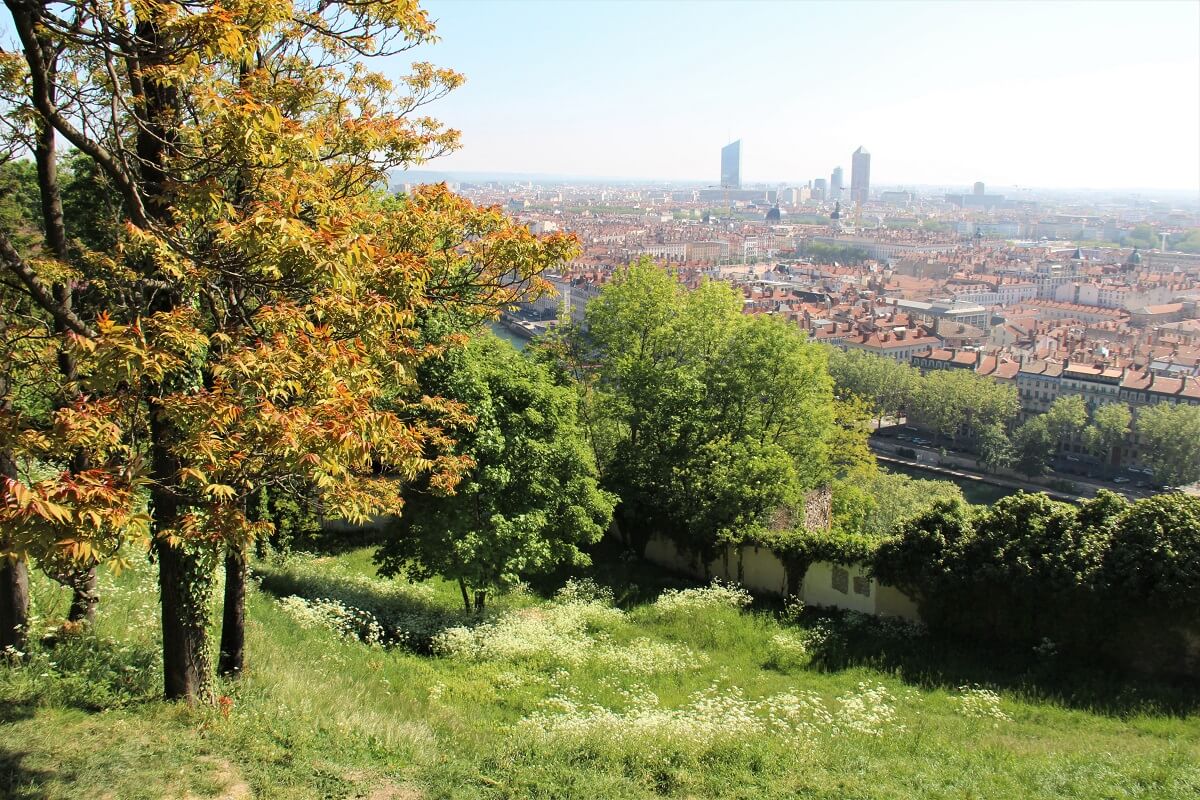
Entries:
{"x":689,"y":601}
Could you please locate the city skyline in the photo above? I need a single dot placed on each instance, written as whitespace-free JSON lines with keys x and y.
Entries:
{"x":1074,"y":95}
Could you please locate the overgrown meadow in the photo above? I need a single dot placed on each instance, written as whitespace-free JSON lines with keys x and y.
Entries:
{"x":618,"y":685}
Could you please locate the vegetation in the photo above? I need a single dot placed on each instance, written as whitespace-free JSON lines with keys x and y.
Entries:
{"x":527,"y":503}
{"x":725,"y":701}
{"x":1107,"y":579}
{"x":1170,"y":437}
{"x":252,"y":341}
{"x":1187,"y":242}
{"x":709,"y":425}
{"x":254,"y":324}
{"x":823,"y":253}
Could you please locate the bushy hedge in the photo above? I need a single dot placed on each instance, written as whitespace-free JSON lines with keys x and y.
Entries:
{"x":1105,"y":578}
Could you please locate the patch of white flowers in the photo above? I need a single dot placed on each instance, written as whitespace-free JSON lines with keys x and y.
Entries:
{"x":787,"y":649}
{"x":568,"y":631}
{"x":344,"y":620}
{"x":716,"y":595}
{"x":871,"y":710}
{"x":980,"y":703}
{"x":714,"y":716}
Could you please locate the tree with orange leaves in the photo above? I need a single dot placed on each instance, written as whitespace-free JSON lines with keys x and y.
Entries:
{"x":257,"y":322}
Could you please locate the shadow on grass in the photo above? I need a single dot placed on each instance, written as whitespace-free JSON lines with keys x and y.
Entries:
{"x":407,"y":618}
{"x":929,"y":660}
{"x":633,"y":580}
{"x":18,"y":781}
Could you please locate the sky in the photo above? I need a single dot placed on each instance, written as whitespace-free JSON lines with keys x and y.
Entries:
{"x":1048,"y":94}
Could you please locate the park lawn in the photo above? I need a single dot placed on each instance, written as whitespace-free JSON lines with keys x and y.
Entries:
{"x":690,"y":699}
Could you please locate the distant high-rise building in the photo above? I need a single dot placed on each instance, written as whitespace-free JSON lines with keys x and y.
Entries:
{"x":731,"y":165}
{"x":979,"y":190}
{"x":835,"y":184}
{"x":860,"y":176}
{"x":818,"y":189}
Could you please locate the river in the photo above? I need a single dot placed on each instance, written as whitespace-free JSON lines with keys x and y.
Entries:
{"x":504,"y":333}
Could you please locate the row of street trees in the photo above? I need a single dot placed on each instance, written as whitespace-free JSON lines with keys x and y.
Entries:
{"x":959,"y":405}
{"x":232,"y":305}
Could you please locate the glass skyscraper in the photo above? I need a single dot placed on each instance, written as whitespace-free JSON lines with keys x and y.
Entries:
{"x":860,"y":176}
{"x":731,"y":165}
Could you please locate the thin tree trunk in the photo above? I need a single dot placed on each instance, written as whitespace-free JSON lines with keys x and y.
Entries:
{"x":81,"y":580}
{"x":480,"y":600}
{"x":233,"y":618}
{"x":14,"y":576}
{"x":466,"y":597}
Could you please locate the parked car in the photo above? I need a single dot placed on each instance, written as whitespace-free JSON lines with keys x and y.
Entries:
{"x":1073,"y":458}
{"x":1120,"y":479}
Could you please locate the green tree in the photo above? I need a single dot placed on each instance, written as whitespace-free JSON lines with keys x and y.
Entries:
{"x":1170,"y":440}
{"x":1143,"y":236}
{"x":529,"y":502}
{"x":957,"y":401}
{"x":1154,"y":560}
{"x":995,"y":448}
{"x":1108,"y":430}
{"x":1033,"y":446}
{"x":717,"y":418}
{"x":1066,"y":417}
{"x":888,"y":385}
{"x":880,"y":504}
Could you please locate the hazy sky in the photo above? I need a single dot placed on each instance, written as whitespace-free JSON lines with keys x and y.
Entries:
{"x":1095,"y":94}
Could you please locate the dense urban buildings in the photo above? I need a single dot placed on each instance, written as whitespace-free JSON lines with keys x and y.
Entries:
{"x":1055,"y":295}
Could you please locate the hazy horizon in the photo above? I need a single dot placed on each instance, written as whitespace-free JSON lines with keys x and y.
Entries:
{"x":430,"y":171}
{"x":1094,"y":96}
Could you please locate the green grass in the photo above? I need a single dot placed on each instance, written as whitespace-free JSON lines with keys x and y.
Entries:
{"x":319,"y":715}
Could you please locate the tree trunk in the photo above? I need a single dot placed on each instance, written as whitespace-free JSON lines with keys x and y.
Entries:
{"x":233,"y":618}
{"x":187,"y":673}
{"x":83,"y":596}
{"x":184,"y":581}
{"x":14,"y":603}
{"x":466,"y":597}
{"x":82,"y":581}
{"x":480,"y":600}
{"x":14,"y":582}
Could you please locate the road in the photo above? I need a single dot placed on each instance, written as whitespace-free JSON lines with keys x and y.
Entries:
{"x":930,"y":457}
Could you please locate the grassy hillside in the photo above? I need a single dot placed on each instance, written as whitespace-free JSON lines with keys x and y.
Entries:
{"x":361,"y":687}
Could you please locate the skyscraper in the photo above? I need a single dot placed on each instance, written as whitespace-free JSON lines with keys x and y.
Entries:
{"x":835,"y":184}
{"x":860,"y":176}
{"x":818,"y":189}
{"x":731,"y":165}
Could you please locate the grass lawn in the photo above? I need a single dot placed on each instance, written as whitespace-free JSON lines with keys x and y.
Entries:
{"x":360,"y":687}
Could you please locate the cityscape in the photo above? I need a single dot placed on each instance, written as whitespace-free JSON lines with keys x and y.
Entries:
{"x":600,"y":400}
{"x":1087,"y":295}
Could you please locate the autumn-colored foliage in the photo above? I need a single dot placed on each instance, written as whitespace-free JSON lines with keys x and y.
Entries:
{"x":255,"y":323}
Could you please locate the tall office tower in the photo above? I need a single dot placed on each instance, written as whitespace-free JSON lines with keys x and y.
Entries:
{"x":835,"y":184}
{"x":731,"y":165}
{"x":818,"y":189}
{"x":860,"y":176}
{"x":979,"y":189}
